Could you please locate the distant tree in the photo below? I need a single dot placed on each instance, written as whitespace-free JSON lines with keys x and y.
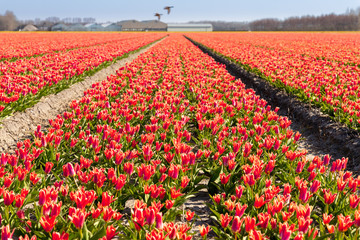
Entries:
{"x":358,"y":15}
{"x":8,"y":21}
{"x":88,"y":20}
{"x":76,"y":20}
{"x":329,"y":22}
{"x":52,"y":19}
{"x":349,"y":21}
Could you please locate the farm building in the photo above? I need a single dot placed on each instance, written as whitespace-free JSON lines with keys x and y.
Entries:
{"x":94,"y":27}
{"x":59,"y":27}
{"x":28,"y":27}
{"x":111,"y":27}
{"x":189,"y":27}
{"x":77,"y":27}
{"x":44,"y":26}
{"x":154,"y":25}
{"x":133,"y":25}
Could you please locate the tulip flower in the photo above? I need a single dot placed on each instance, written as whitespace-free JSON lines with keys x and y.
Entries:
{"x":224,"y":179}
{"x":57,"y":236}
{"x":225,"y":220}
{"x":236,"y":225}
{"x":327,"y":218}
{"x":239,"y":191}
{"x":189,"y":215}
{"x":328,"y":196}
{"x":284,"y":231}
{"x":263,"y":219}
{"x":48,"y":223}
{"x":9,"y":197}
{"x":110,"y":232}
{"x":259,"y":201}
{"x":48,"y":167}
{"x":159,"y":220}
{"x":169,"y":204}
{"x":106,"y":199}
{"x":354,"y":200}
{"x":204,"y":230}
{"x":77,"y":217}
{"x":344,"y":223}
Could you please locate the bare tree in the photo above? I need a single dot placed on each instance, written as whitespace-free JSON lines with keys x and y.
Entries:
{"x":328,"y":22}
{"x":350,"y":21}
{"x":8,"y":21}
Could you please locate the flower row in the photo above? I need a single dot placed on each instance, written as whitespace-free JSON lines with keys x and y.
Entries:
{"x":298,"y":64}
{"x":15,"y":45}
{"x":23,"y":80}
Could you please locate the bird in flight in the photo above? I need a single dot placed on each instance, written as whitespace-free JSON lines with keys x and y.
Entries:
{"x":168,"y":8}
{"x":158,"y":15}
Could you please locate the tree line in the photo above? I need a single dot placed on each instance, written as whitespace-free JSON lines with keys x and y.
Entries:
{"x":329,"y":22}
{"x":349,"y":21}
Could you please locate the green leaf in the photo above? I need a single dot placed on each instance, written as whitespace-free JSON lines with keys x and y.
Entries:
{"x":85,"y":232}
{"x":99,"y":234}
{"x":215,"y":174}
{"x":213,"y":188}
{"x":322,"y":237}
{"x":40,"y":234}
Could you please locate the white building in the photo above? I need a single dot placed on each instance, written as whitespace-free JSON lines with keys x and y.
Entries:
{"x":189,"y":27}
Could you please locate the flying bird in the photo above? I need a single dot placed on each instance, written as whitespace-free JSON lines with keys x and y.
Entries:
{"x":158,"y":15}
{"x":168,"y":8}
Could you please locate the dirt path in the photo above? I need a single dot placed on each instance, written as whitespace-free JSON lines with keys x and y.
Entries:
{"x":320,"y":134}
{"x":22,"y":124}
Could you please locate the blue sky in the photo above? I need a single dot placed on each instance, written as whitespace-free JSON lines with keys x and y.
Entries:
{"x":183,"y":11}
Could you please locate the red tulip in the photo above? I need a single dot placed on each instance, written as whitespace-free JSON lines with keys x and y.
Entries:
{"x":48,"y":223}
{"x":344,"y":223}
{"x":189,"y":215}
{"x":204,"y":230}
{"x":77,"y":217}
{"x":284,"y":231}
{"x":110,"y":232}
{"x":48,"y":167}
{"x":259,"y":202}
{"x":9,"y":197}
{"x":225,"y":220}
{"x":57,"y":236}
{"x":328,"y":196}
{"x":236,"y":225}
{"x":249,"y":223}
{"x":159,"y":220}
{"x":327,"y":218}
{"x":5,"y":233}
{"x":106,"y":199}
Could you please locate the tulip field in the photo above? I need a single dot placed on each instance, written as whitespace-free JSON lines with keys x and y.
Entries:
{"x":26,"y":80}
{"x":20,"y":45}
{"x":121,"y":162}
{"x":322,"y":69}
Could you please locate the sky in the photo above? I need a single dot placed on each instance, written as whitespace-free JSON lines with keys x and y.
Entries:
{"x":183,"y":11}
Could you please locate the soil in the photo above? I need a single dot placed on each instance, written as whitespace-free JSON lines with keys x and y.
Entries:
{"x":320,"y":134}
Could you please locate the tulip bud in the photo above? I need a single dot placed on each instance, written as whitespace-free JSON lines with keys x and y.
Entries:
{"x":71,"y":170}
{"x":159,"y":220}
{"x":5,"y":232}
{"x":236,"y":225}
{"x":48,"y":167}
{"x":20,"y":214}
